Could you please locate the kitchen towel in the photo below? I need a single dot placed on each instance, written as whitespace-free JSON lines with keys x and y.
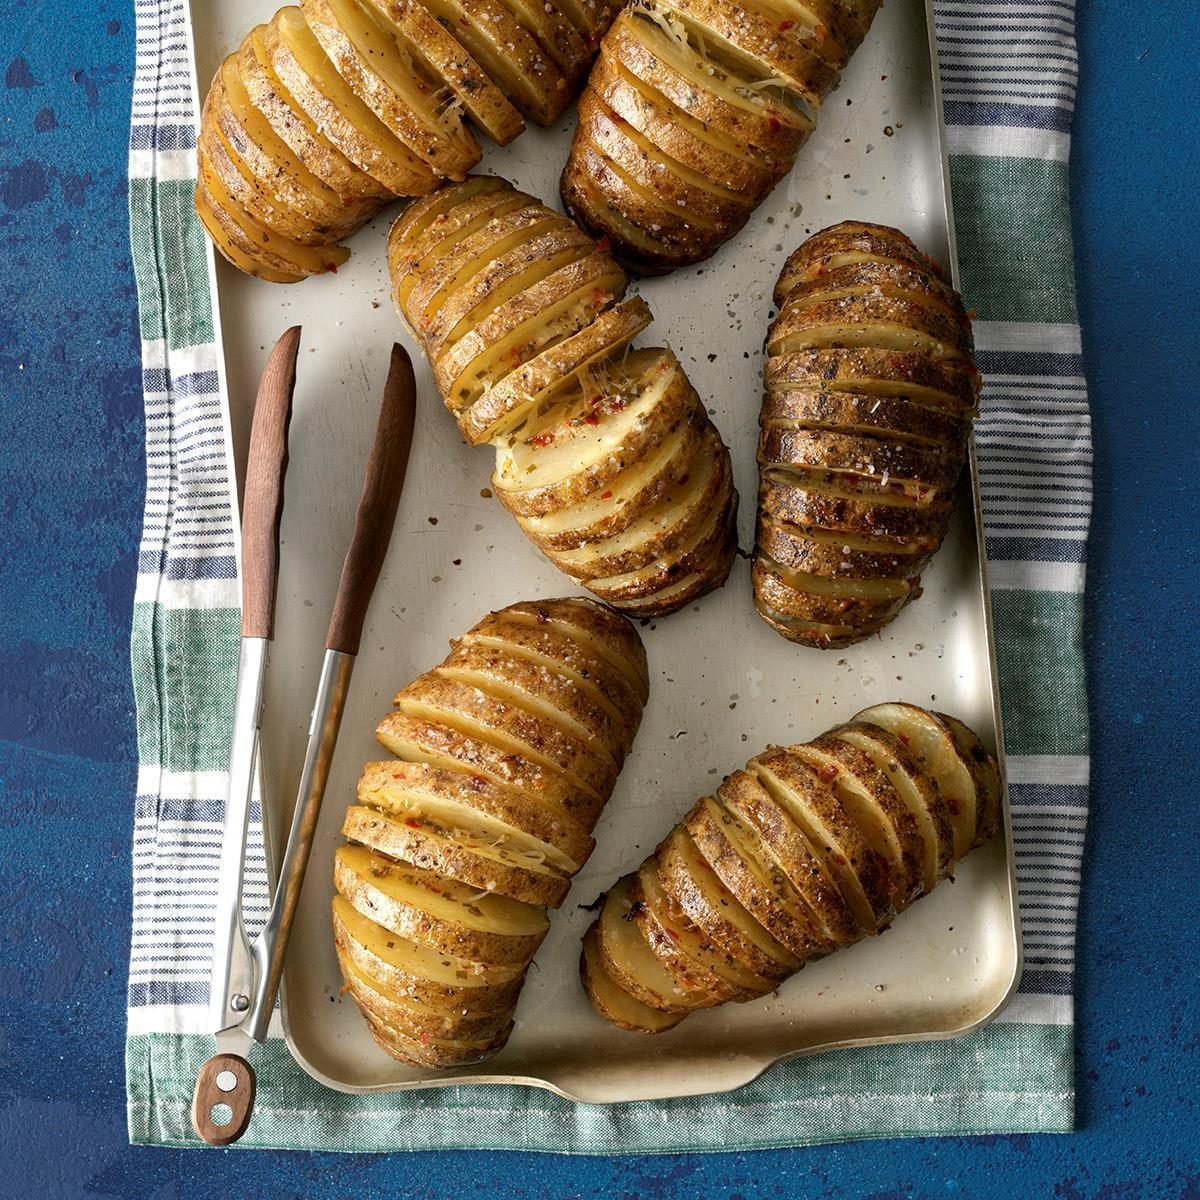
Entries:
{"x":1009,"y":75}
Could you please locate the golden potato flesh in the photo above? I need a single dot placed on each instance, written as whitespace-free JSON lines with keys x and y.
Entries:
{"x":809,"y":849}
{"x":870,"y":392}
{"x":506,"y":754}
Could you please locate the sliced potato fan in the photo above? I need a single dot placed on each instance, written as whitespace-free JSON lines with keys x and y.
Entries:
{"x":506,"y":754}
{"x":605,"y":454}
{"x":870,"y":392}
{"x":336,"y":107}
{"x":806,"y":851}
{"x":694,"y":111}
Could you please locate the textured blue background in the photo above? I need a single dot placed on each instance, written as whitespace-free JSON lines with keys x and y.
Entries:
{"x":70,"y":502}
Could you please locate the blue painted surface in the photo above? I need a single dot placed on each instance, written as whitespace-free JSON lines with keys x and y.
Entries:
{"x":70,"y":503}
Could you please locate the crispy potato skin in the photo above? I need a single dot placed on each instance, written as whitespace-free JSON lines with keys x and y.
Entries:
{"x":870,"y":390}
{"x":693,"y":112}
{"x":605,"y":454}
{"x":335,"y":108}
{"x":458,"y":845}
{"x":807,"y":850}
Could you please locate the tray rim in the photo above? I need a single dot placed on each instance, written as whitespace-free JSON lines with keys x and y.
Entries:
{"x":547,"y":1085}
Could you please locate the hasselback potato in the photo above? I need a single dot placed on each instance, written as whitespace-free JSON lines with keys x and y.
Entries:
{"x":806,"y":851}
{"x":333,"y":108}
{"x":506,"y":754}
{"x":871,"y":388}
{"x":605,"y":455}
{"x":694,"y":111}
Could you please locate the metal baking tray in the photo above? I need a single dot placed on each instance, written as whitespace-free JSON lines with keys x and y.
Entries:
{"x":723,"y":685}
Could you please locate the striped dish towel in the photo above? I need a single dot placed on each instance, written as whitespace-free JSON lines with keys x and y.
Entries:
{"x":1009,"y":79}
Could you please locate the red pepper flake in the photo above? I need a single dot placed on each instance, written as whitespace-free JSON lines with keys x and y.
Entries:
{"x":591,"y":419}
{"x":784,"y":26}
{"x":599,"y":295}
{"x":606,"y":495}
{"x":829,"y":771}
{"x":331,"y":269}
{"x":425,"y":1036}
{"x":953,"y":806}
{"x":903,"y":737}
{"x":542,"y":439}
{"x":775,"y":124}
{"x":604,"y":245}
{"x":412,"y":822}
{"x":617,"y":403}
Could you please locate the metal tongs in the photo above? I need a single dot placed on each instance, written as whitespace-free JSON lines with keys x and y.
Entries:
{"x":246,"y":974}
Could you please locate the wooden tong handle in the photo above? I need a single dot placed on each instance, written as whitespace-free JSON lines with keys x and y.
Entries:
{"x":377,"y":507}
{"x":262,"y":504}
{"x":226,"y":1079}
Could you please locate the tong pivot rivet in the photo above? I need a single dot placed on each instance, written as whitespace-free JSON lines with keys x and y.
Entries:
{"x":239,"y":1003}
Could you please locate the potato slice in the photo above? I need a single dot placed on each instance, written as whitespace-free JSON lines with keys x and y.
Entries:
{"x":884,"y":320}
{"x":757,"y":48}
{"x":841,"y":505}
{"x":385,"y":78}
{"x":847,"y":412}
{"x":251,"y":237}
{"x":558,"y":305}
{"x":493,"y":811}
{"x":540,"y":690}
{"x":517,"y":270}
{"x":535,"y":735}
{"x":315,"y":210}
{"x":840,"y":842}
{"x":445,"y":58}
{"x":870,"y":800}
{"x":695,"y":887}
{"x":422,"y":975}
{"x":293,"y":126}
{"x":250,"y":201}
{"x":507,"y":51}
{"x":415,"y":1020}
{"x":459,"y":257}
{"x":744,"y":863}
{"x":426,"y":1051}
{"x":677,"y":515}
{"x":333,"y":107}
{"x":653,"y":46}
{"x":500,"y":866}
{"x":919,"y":793}
{"x":687,"y":950}
{"x":550,"y":649}
{"x":706,"y":551}
{"x":840,"y":556}
{"x":611,"y":1002}
{"x":231,"y":250}
{"x":659,"y":179}
{"x":631,"y":964}
{"x":933,"y":744}
{"x":421,"y":739}
{"x":504,"y":405}
{"x":625,"y":79}
{"x":830,"y":889}
{"x":448,"y":917}
{"x":633,"y":492}
{"x":601,"y":633}
{"x":987,"y":774}
{"x":580,"y":449}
